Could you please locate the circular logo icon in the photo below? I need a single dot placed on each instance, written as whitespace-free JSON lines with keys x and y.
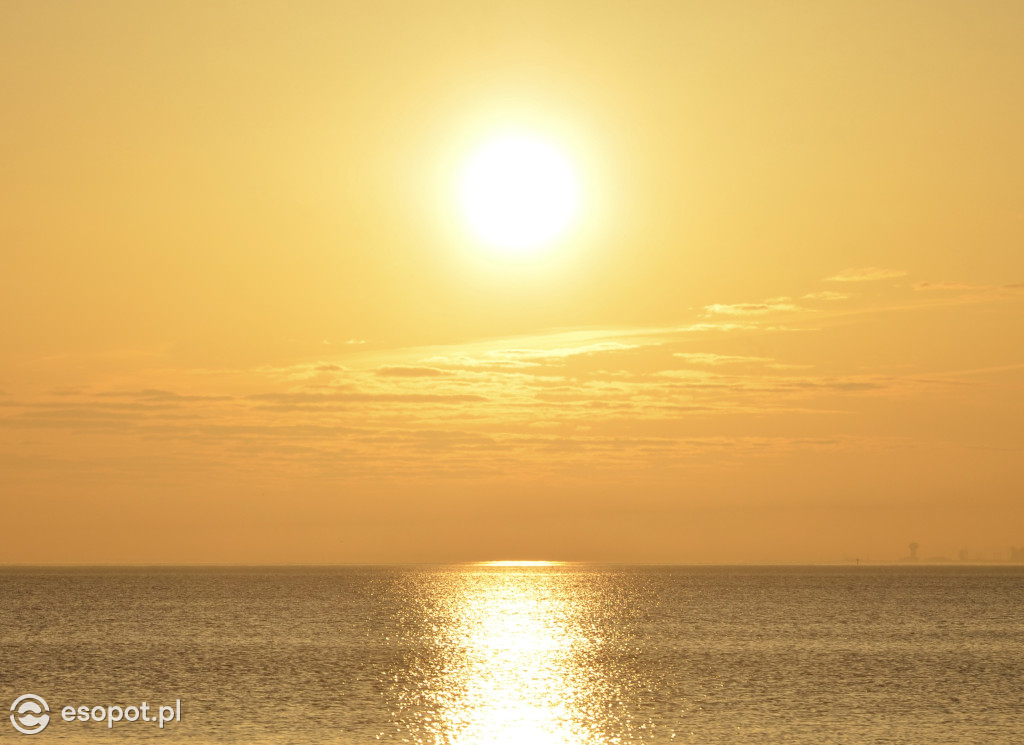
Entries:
{"x":31,"y":714}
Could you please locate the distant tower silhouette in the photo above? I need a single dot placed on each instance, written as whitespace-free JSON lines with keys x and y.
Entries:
{"x":913,"y":550}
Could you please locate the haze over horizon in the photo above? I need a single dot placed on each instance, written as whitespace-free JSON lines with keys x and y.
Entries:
{"x":246,"y":321}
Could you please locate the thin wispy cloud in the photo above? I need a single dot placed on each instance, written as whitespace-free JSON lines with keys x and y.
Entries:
{"x":708,"y":358}
{"x":752,"y":309}
{"x":701,"y":327}
{"x":530,"y":356}
{"x":826,"y":295}
{"x":930,"y":286}
{"x":329,"y":343}
{"x":362,"y":397}
{"x":408,"y":371}
{"x":867,"y":274}
{"x":976,"y":291}
{"x":562,"y":352}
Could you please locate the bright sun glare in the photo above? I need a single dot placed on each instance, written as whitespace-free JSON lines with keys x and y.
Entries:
{"x":519,"y":193}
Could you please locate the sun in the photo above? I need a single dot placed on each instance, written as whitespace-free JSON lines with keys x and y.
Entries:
{"x":519,"y":193}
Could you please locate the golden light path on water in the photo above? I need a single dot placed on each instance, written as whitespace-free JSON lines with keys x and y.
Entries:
{"x":517,"y":563}
{"x":509,"y":635}
{"x":516,"y":687}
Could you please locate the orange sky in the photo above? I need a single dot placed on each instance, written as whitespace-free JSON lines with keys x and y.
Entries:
{"x":243,"y":320}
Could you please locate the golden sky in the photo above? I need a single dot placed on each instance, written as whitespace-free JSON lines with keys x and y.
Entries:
{"x":243,"y":320}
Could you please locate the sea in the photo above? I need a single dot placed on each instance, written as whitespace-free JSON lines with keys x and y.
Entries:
{"x":506,"y":653}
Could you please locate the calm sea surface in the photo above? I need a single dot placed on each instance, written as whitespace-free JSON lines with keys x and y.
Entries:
{"x":527,"y":655}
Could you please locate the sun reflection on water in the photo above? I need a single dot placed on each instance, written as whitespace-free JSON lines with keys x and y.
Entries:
{"x":510,"y":675}
{"x":520,"y":563}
